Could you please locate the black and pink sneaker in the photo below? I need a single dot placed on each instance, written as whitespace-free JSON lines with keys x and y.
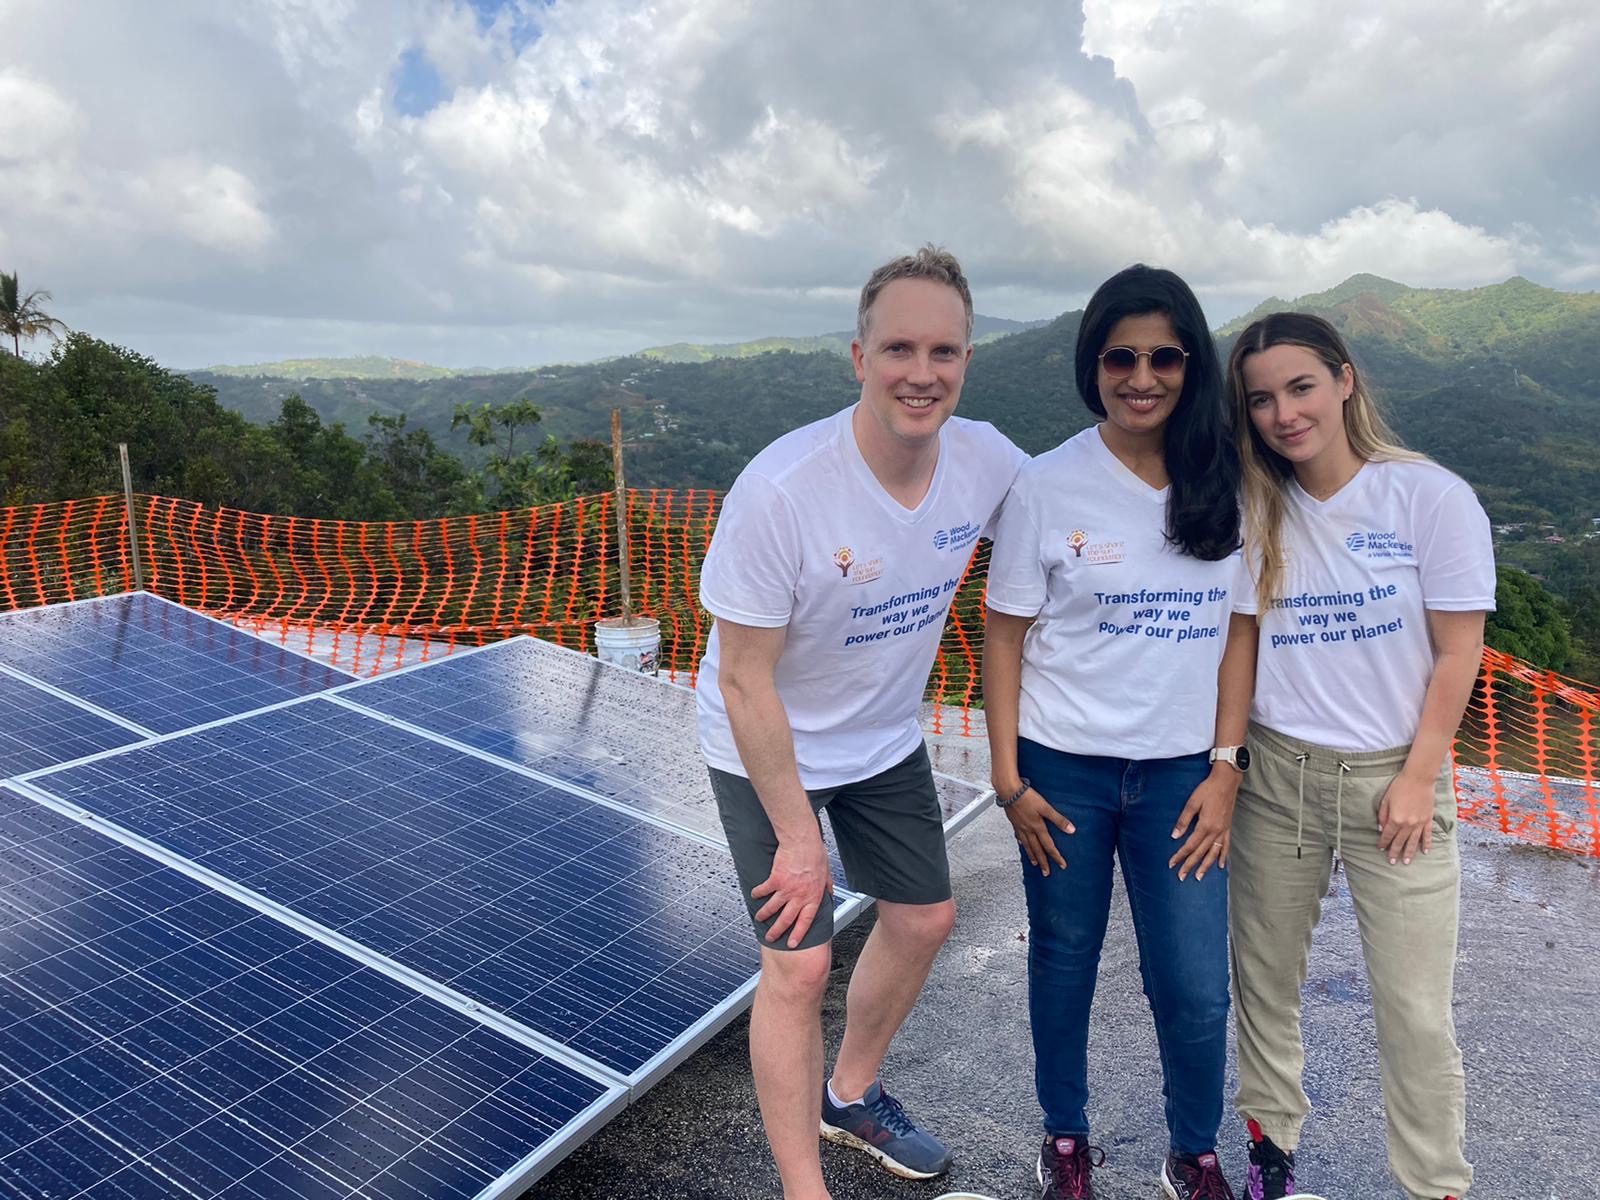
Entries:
{"x":1065,"y":1164}
{"x":1194,"y":1177}
{"x":1271,"y":1169}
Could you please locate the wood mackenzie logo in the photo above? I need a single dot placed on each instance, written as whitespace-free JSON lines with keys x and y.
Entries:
{"x":854,"y":570}
{"x":957,"y":537}
{"x":1374,"y":544}
{"x":1093,"y":553}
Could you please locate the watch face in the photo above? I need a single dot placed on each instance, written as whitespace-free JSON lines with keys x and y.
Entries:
{"x":1241,"y":758}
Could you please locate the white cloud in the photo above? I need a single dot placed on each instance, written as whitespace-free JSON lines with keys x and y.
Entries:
{"x":39,"y":121}
{"x":715,"y":169}
{"x":214,"y":205}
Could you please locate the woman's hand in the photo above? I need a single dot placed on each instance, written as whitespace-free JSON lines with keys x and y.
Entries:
{"x":1031,"y":818}
{"x":1405,"y":818}
{"x":1206,"y":819}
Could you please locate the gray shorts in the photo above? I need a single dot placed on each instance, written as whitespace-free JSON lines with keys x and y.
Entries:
{"x":888,"y":828}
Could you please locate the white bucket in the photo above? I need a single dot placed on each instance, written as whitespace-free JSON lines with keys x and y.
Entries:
{"x":633,"y":645}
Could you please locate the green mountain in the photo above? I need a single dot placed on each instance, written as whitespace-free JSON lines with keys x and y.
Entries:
{"x":694,"y":352}
{"x":984,"y":330}
{"x":364,"y":367}
{"x":1499,"y":383}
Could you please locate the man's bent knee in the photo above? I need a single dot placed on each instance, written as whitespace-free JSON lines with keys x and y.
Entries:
{"x":927,"y":925}
{"x":796,"y":976}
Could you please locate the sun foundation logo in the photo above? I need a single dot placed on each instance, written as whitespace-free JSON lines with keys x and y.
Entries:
{"x":1093,"y":553}
{"x":856,"y":570}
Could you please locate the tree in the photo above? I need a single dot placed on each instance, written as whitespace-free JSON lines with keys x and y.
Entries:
{"x":1583,"y":612}
{"x":1528,"y":621}
{"x":542,"y":476}
{"x":22,"y":317}
{"x":425,"y":480}
{"x":484,"y":422}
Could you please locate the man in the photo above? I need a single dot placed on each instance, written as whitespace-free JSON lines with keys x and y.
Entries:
{"x":837,"y":554}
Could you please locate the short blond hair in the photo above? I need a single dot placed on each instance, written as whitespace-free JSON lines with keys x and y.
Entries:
{"x":930,"y":262}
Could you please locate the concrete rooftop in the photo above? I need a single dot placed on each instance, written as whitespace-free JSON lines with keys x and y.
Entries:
{"x":1525,"y":1011}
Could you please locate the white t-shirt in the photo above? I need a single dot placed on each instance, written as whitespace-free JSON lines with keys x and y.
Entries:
{"x":1345,"y":657}
{"x":809,"y":539}
{"x":1122,"y":661}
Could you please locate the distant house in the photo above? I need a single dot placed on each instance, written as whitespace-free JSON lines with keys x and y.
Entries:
{"x":1555,"y":539}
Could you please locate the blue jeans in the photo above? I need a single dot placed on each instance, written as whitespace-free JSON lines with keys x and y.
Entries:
{"x":1126,"y":808}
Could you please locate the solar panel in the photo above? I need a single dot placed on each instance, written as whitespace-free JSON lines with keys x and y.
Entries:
{"x":612,"y":936}
{"x":39,"y":729}
{"x":156,"y":663}
{"x":618,"y":734}
{"x":160,"y":1039}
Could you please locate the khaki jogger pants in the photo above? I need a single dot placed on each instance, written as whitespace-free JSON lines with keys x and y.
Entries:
{"x":1407,"y":917}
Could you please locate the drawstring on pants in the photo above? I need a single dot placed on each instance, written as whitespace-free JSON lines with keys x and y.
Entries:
{"x":1300,"y":808}
{"x":1338,"y":812}
{"x":1338,"y":816}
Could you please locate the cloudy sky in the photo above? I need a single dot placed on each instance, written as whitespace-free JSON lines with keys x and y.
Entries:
{"x":513,"y":183}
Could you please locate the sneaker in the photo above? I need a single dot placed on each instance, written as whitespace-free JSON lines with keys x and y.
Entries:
{"x":1194,"y":1177}
{"x":878,"y":1125}
{"x":1271,"y":1169}
{"x":1064,"y":1166}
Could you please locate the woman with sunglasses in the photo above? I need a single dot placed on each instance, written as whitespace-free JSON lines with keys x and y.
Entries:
{"x":1110,"y":636}
{"x":1374,"y":568}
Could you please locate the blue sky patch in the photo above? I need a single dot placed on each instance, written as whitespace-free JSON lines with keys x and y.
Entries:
{"x":417,"y":86}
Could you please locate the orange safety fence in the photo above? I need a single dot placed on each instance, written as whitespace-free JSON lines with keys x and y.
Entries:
{"x":375,"y":593}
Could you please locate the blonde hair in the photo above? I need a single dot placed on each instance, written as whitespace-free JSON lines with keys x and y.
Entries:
{"x":929,"y":262}
{"x":1266,"y":472}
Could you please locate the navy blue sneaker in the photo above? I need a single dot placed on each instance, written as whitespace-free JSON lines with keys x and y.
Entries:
{"x":878,"y":1125}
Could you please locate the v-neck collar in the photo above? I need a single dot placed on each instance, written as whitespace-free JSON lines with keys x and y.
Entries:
{"x":1120,"y":472}
{"x":1312,"y":504}
{"x":858,"y":463}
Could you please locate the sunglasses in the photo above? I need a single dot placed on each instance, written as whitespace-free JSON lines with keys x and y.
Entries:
{"x":1119,"y":362}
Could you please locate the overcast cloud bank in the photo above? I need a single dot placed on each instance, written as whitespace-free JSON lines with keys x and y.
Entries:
{"x":516,"y":183}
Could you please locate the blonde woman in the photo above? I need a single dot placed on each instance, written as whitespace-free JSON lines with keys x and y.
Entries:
{"x":1373,"y":571}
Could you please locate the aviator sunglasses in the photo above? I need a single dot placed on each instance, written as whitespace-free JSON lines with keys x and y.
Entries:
{"x":1119,"y":362}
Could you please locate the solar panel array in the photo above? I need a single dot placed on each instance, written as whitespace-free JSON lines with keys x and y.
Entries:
{"x":158,"y":1038}
{"x":266,"y":931}
{"x":39,"y":728}
{"x":606,"y":934}
{"x":613,"y":734}
{"x":153,"y":663}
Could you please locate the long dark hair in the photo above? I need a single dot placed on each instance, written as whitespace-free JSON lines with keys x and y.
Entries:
{"x":1202,"y":459}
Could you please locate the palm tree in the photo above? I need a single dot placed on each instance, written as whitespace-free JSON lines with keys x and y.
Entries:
{"x":22,"y":317}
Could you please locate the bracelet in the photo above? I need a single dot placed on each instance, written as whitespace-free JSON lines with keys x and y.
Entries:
{"x":1014,"y":797}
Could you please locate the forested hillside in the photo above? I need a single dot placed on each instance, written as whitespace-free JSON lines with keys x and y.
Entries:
{"x":61,"y":421}
{"x":1497,"y":383}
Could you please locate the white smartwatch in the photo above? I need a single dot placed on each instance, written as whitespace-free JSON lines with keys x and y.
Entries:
{"x":1237,"y":757}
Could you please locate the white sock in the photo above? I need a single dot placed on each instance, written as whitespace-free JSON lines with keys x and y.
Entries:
{"x":833,"y":1098}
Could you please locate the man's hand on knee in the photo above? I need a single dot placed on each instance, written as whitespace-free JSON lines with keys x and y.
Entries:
{"x":800,"y":883}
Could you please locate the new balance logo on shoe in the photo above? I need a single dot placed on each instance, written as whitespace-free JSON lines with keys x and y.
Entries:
{"x":868,"y":1131}
{"x":877,"y":1124}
